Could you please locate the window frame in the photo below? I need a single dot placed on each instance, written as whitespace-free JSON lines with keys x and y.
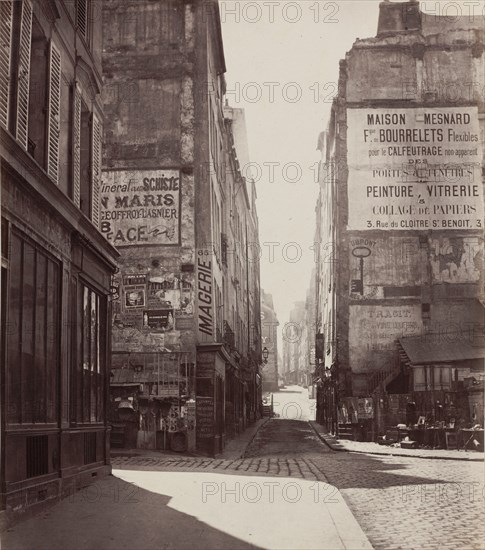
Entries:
{"x":51,"y":339}
{"x":88,"y":403}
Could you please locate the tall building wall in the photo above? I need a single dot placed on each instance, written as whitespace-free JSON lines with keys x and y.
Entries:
{"x":56,"y":266}
{"x":175,"y":204}
{"x":147,"y":194}
{"x":405,"y":143}
{"x":269,"y":328}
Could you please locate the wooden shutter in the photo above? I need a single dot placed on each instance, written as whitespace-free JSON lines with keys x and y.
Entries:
{"x":22,"y":132}
{"x":6,"y":9}
{"x":82,"y":18}
{"x":95,"y":169}
{"x":76,"y":154}
{"x":54,"y":113}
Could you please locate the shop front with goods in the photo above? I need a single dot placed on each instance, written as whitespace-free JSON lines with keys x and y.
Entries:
{"x":151,"y":401}
{"x":443,"y":406}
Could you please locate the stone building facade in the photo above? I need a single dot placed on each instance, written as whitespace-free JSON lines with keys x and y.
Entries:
{"x":400,"y":221}
{"x":56,"y":265}
{"x":169,"y":204}
{"x":269,"y":329}
{"x":295,"y":346}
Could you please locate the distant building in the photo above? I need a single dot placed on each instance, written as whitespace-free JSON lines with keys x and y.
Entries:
{"x":56,"y":265}
{"x":269,"y":339}
{"x":295,"y":350}
{"x":400,"y":278}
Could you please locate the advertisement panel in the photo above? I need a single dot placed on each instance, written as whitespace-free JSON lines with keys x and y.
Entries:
{"x":416,"y":168}
{"x":205,"y":306}
{"x":141,"y":207}
{"x":374,"y":330}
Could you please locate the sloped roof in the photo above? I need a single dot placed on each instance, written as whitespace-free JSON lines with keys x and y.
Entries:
{"x":434,"y":348}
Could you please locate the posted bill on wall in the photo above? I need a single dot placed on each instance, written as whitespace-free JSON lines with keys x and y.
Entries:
{"x":414,"y":169}
{"x":141,"y":207}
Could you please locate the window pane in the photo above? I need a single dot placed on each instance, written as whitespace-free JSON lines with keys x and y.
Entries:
{"x":39,"y":375}
{"x":86,"y":353}
{"x":27,"y":345}
{"x":94,"y":355}
{"x":13,"y":332}
{"x":101,"y":355}
{"x":79,"y":355}
{"x":52,"y":341}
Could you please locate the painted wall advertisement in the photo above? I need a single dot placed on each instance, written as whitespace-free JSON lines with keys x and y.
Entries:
{"x":373,"y":331}
{"x":205,"y":306}
{"x":391,"y":267}
{"x":141,"y":207}
{"x":415,"y":169}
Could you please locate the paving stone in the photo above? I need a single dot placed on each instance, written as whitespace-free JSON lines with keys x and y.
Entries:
{"x":400,"y":502}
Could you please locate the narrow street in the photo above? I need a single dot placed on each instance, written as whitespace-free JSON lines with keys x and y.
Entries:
{"x":288,"y":491}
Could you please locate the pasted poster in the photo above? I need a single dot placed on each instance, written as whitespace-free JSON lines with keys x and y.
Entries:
{"x":416,"y":168}
{"x":158,"y":319}
{"x":205,"y":412}
{"x":456,"y":260}
{"x":134,"y":296}
{"x":173,"y":290}
{"x":374,"y":330}
{"x":141,"y":207}
{"x":365,"y":408}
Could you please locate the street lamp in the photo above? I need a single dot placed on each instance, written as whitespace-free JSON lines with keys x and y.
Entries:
{"x":265,"y":355}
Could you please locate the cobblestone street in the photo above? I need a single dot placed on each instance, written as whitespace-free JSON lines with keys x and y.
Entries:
{"x":399,"y":502}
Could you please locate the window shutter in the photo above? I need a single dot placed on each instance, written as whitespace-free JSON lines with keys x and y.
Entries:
{"x":95,"y":169}
{"x":6,"y":9}
{"x":54,"y":113}
{"x":22,"y":132}
{"x":76,"y":156}
{"x":82,"y":18}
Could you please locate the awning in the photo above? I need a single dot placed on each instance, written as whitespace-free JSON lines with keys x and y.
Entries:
{"x":442,"y":348}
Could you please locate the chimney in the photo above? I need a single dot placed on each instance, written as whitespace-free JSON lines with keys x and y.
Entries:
{"x":398,"y":17}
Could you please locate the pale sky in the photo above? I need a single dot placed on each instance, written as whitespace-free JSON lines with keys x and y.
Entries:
{"x":282,"y":62}
{"x":296,"y":63}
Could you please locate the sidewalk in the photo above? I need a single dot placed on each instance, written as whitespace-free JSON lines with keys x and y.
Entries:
{"x":206,"y":509}
{"x":369,"y":447}
{"x":234,"y":449}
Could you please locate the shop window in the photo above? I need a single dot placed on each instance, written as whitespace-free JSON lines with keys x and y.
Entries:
{"x":419,"y":379}
{"x":88,"y":379}
{"x":32,"y":334}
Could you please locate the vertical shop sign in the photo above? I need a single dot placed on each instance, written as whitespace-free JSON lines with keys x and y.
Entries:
{"x":205,"y":307}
